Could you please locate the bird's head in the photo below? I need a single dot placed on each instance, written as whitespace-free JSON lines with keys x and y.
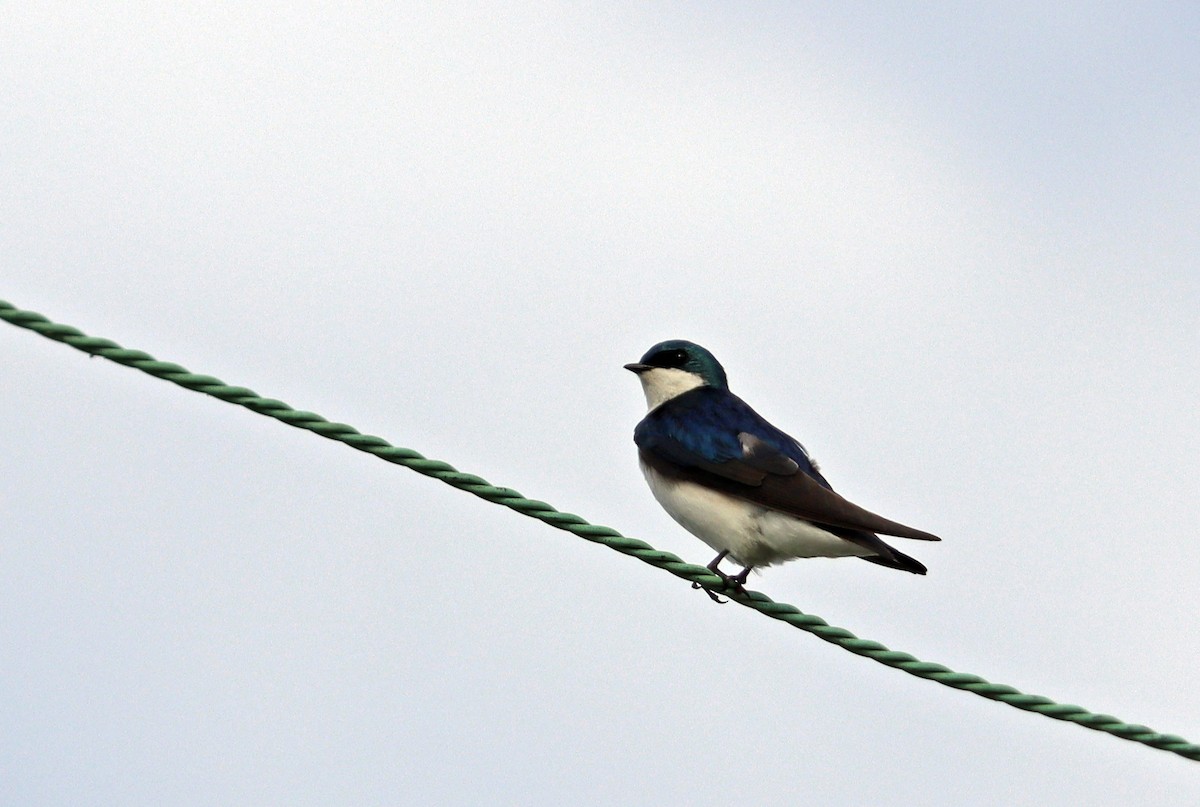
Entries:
{"x":673,"y":367}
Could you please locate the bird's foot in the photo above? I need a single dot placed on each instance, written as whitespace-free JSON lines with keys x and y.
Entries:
{"x":739,"y":579}
{"x":713,"y":566}
{"x":712,"y":595}
{"x":735,"y":584}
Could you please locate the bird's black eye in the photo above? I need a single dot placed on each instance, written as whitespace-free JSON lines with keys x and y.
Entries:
{"x":669,"y":358}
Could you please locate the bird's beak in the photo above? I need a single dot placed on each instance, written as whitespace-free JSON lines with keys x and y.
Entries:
{"x":637,"y":368}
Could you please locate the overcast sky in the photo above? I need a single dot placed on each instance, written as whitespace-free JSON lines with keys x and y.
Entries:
{"x":953,"y":251}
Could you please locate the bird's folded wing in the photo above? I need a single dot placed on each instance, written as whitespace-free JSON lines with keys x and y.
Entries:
{"x":765,"y":476}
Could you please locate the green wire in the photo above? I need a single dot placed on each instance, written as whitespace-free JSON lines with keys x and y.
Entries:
{"x":607,"y":536}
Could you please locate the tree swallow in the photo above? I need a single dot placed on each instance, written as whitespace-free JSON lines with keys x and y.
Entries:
{"x":739,"y":484}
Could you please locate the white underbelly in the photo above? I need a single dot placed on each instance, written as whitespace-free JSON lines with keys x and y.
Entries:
{"x":754,"y":535}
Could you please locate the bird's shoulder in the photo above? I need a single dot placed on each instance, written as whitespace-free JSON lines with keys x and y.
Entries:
{"x":707,"y":426}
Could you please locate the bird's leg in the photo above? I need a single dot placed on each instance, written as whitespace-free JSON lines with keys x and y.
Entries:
{"x":713,"y":567}
{"x":738,"y":581}
{"x":715,"y":562}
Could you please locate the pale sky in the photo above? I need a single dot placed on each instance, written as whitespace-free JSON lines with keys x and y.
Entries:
{"x":952,"y":251}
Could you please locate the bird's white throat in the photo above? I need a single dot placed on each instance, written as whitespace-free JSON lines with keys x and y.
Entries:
{"x":664,"y":383}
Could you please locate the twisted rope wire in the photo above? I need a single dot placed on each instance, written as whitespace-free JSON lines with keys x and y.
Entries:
{"x":576,"y":525}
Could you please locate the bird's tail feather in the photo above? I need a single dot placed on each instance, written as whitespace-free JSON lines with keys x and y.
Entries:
{"x":884,"y":553}
{"x":898,"y":560}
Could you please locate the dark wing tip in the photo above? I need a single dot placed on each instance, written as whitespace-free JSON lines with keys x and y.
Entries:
{"x":919,"y":535}
{"x":904,"y":531}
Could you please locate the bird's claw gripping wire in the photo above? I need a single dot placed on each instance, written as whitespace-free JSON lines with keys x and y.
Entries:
{"x":729,"y":583}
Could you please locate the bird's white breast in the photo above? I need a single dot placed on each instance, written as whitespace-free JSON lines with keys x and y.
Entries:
{"x":753,"y":534}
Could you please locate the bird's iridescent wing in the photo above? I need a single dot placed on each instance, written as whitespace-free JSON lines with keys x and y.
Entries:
{"x":713,"y":437}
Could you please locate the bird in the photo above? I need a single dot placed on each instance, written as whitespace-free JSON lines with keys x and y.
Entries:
{"x":742,"y":486}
